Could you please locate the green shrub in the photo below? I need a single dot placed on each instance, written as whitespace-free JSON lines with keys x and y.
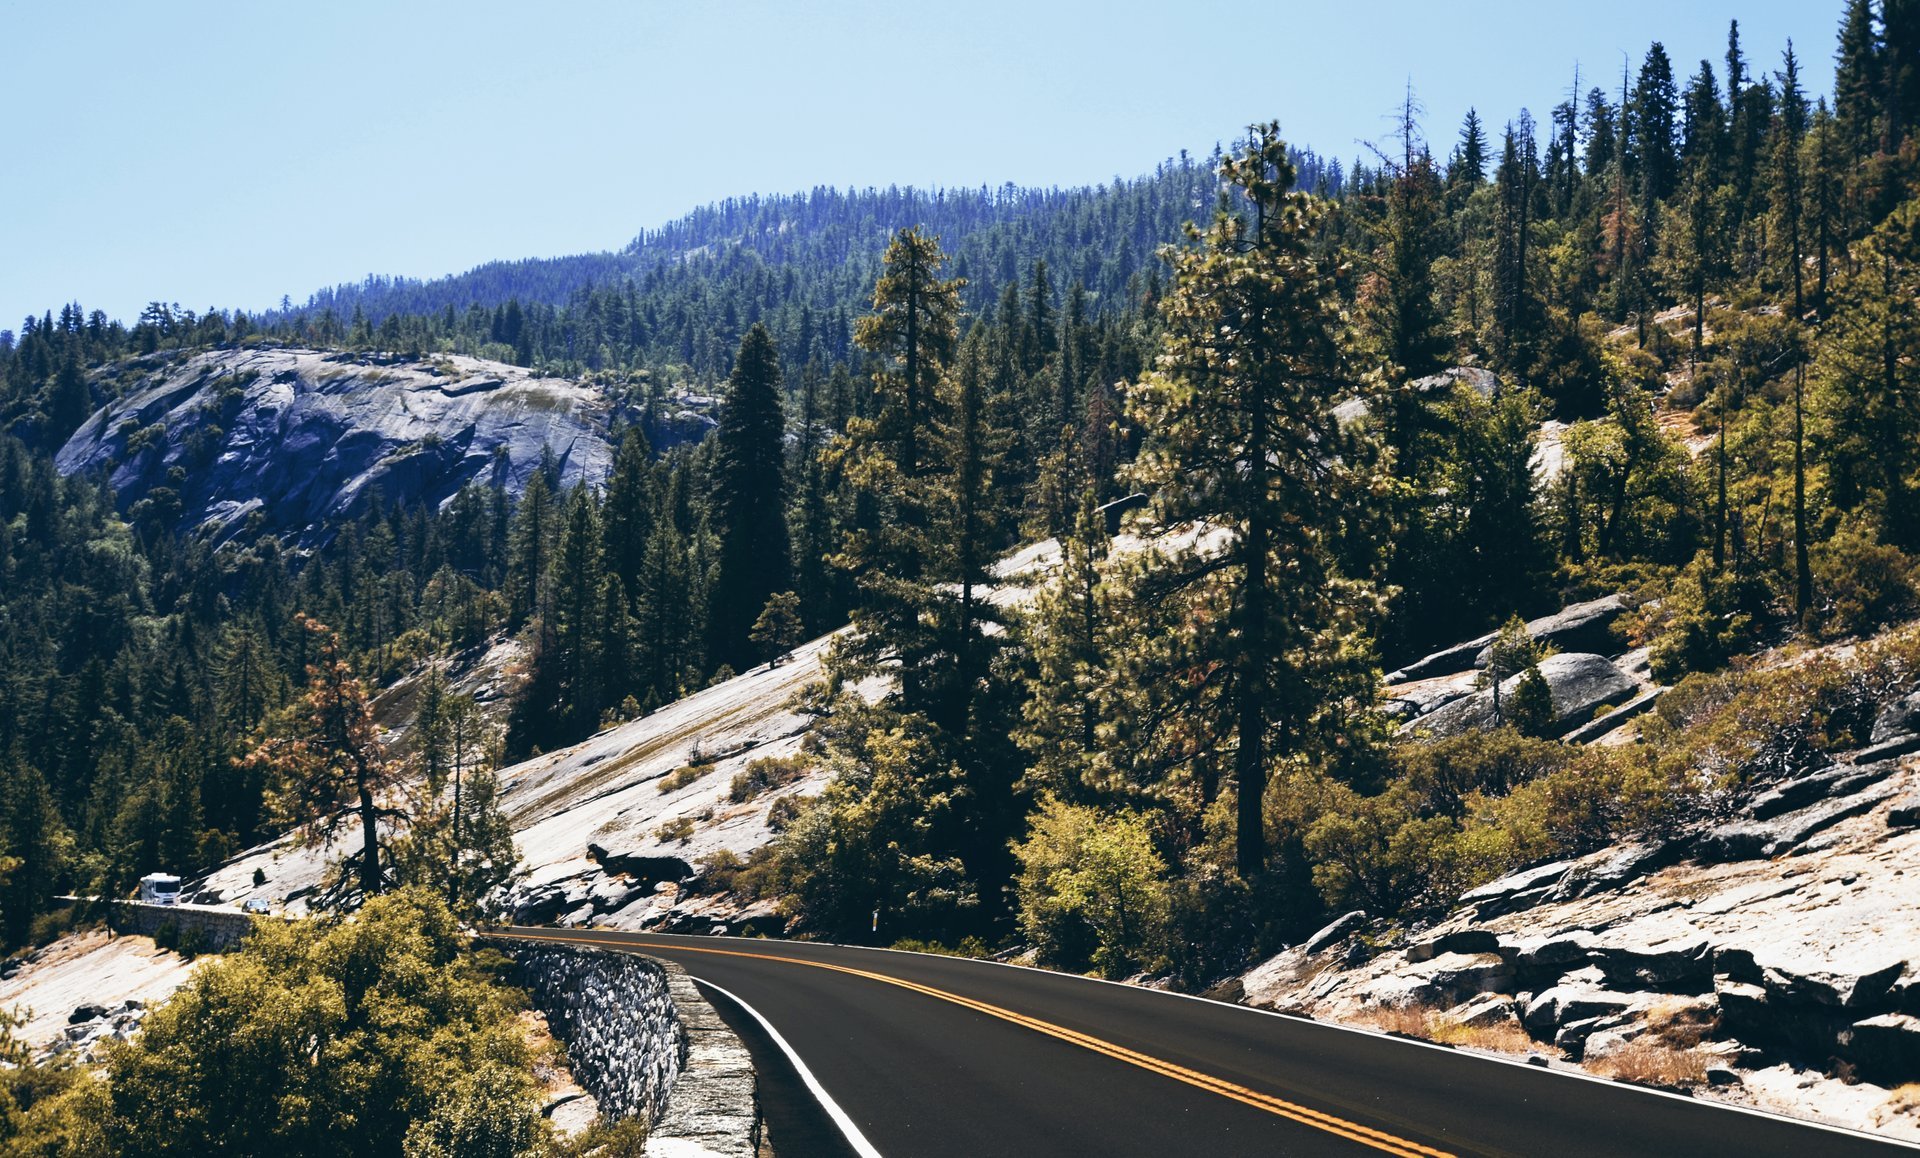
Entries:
{"x":1705,"y":617}
{"x":1091,"y":888}
{"x":682,"y":776}
{"x":1861,"y":584}
{"x":765,"y":774}
{"x":327,"y":1037}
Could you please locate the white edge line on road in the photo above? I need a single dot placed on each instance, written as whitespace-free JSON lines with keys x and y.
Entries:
{"x":854,"y":1137}
{"x":1483,"y":1055}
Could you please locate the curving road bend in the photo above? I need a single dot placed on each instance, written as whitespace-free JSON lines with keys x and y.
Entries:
{"x":941,"y":1057}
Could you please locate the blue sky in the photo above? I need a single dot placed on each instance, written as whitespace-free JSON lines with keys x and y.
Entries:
{"x":225,"y":154}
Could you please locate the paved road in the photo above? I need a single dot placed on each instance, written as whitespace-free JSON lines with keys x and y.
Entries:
{"x":936,"y":1057}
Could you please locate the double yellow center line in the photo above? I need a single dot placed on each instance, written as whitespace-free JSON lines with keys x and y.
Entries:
{"x":1352,"y":1131}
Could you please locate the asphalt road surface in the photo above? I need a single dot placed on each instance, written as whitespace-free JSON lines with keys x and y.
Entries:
{"x":939,"y":1057}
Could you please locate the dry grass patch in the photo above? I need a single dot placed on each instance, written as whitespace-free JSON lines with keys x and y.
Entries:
{"x":1903,"y":1099}
{"x":1410,"y":1020}
{"x":1652,"y":1063}
{"x":1429,"y":1024}
{"x":1504,"y":1037}
{"x":1681,"y":1023}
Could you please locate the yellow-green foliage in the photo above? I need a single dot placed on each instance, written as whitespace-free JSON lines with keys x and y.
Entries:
{"x":679,"y":829}
{"x":368,"y":1035}
{"x":1861,"y":583}
{"x":1092,"y":887}
{"x":682,"y":776}
{"x":765,"y":774}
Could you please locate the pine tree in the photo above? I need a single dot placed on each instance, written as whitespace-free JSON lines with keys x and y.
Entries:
{"x":1069,"y":633}
{"x":1403,"y":311}
{"x":72,"y":402}
{"x":890,"y":554}
{"x":326,"y":760}
{"x":663,"y":618}
{"x":1787,"y":185}
{"x":1515,"y":298}
{"x":1470,"y":157}
{"x":1244,"y":438}
{"x":1655,"y":106}
{"x":34,"y":846}
{"x":1857,"y":81}
{"x":778,"y":630}
{"x":1825,"y":165}
{"x":529,"y":544}
{"x":577,"y":609}
{"x":627,"y":511}
{"x":749,"y":506}
{"x":812,"y":522}
{"x":1869,"y":394}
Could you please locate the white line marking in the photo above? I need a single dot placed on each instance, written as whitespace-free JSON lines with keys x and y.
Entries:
{"x":1497,"y":1059}
{"x":854,"y":1137}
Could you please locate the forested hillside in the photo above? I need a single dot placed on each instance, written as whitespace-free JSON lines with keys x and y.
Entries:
{"x":1703,"y":285}
{"x":804,"y":265}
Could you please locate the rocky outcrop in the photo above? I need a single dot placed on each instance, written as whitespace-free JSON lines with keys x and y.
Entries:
{"x":91,"y":1026}
{"x":284,"y":439}
{"x":1900,"y":718}
{"x":1788,"y":936}
{"x":1581,"y":685}
{"x":1581,"y":627}
{"x":1584,"y":627}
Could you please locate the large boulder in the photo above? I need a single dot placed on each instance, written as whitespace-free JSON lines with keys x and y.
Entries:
{"x":1342,"y":927}
{"x":1750,"y":839}
{"x":1826,"y":784}
{"x":645,"y":871}
{"x":1458,"y":941}
{"x":1886,"y":1047}
{"x":1581,"y":682}
{"x":1680,"y":964}
{"x":1900,"y":718}
{"x":1581,"y":627}
{"x":1566,"y":1004}
{"x":1611,"y":870}
{"x":1516,"y":890}
{"x":1839,"y":981}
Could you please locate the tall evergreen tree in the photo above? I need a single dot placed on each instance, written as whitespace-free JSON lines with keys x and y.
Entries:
{"x":1244,"y":438}
{"x":1787,"y":185}
{"x":1857,"y":81}
{"x":749,"y":500}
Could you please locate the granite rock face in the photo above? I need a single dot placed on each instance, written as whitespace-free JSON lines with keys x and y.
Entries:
{"x":299,"y":436}
{"x":1788,"y":936}
{"x":1581,"y":684}
{"x":1584,"y":627}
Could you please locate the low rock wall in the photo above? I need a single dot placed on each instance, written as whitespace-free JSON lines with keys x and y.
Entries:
{"x":209,"y":929}
{"x":644,"y":1042}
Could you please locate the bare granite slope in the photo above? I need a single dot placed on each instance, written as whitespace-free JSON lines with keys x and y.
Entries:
{"x":300,"y":436}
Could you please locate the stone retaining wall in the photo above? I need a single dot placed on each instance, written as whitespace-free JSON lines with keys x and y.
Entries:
{"x":643,"y":1041}
{"x":216,"y":930}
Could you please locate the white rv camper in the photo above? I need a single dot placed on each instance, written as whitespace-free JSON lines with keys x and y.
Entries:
{"x":160,"y":889}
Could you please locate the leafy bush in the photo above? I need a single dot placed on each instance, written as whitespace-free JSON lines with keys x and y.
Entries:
{"x":1091,"y":888}
{"x":682,"y":776}
{"x":1861,"y":584}
{"x":1727,"y":730}
{"x":1704,"y":617}
{"x":765,"y":774}
{"x":361,"y":1035}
